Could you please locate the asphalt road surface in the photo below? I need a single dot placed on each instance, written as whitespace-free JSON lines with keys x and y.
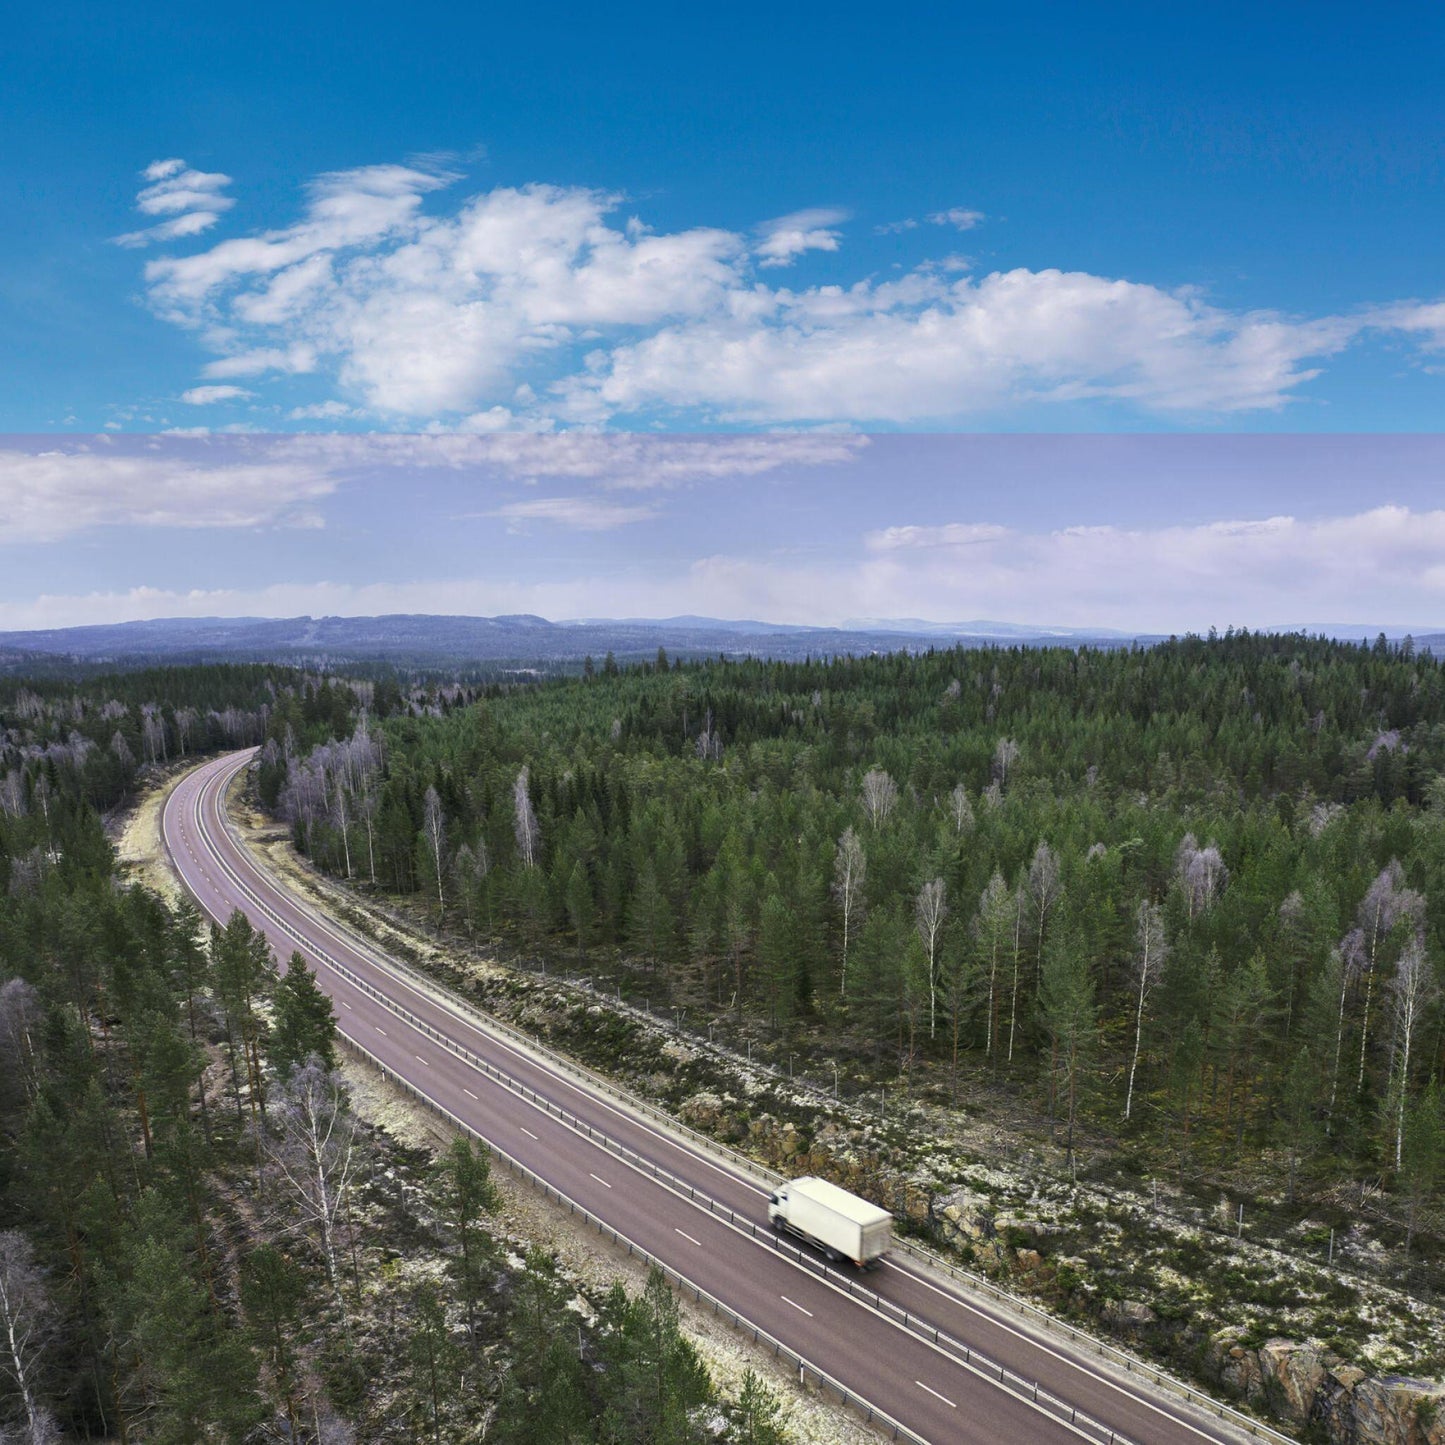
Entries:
{"x":901,"y":1337}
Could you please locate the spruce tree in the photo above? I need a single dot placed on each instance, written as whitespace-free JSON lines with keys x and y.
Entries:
{"x":304,"y":1021}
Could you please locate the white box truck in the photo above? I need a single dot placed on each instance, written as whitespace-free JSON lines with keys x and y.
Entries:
{"x":841,"y":1224}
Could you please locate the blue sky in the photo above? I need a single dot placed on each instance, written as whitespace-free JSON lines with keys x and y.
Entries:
{"x":1180,"y":221}
{"x":1266,"y":179}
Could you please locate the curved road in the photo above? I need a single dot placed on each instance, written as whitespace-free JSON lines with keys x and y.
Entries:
{"x":899,"y":1338}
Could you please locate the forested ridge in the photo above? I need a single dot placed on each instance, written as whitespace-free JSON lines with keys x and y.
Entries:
{"x":1187,"y":898}
{"x":199,"y":1239}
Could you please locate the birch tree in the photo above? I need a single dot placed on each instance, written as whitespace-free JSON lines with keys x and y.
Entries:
{"x":314,"y":1156}
{"x":1005,"y":755}
{"x":991,"y":930}
{"x":1386,"y":903}
{"x":434,"y":825}
{"x":930,"y":909}
{"x":1412,"y":990}
{"x":1020,"y":905}
{"x":880,"y":795}
{"x":1151,"y":948}
{"x":960,"y":810}
{"x":528,"y":834}
{"x":1201,"y":873}
{"x":1043,"y":891}
{"x":26,"y":1328}
{"x":850,"y":872}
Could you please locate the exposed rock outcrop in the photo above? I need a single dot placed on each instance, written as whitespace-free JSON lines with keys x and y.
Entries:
{"x":1310,"y":1385}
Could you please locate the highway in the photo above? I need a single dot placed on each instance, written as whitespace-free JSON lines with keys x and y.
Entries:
{"x":916,"y":1346}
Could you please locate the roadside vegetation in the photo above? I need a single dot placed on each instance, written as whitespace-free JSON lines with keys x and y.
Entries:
{"x":199,"y":1239}
{"x":1157,"y":922}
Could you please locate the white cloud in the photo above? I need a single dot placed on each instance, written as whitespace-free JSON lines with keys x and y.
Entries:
{"x":536,"y":305}
{"x":1243,"y":571}
{"x":322,"y":411}
{"x":210,"y":395}
{"x":896,"y":228}
{"x":296,"y":359}
{"x":931,"y":349}
{"x":953,"y":534}
{"x":612,"y":461}
{"x":193,"y":200}
{"x":786,"y":238}
{"x":959,"y":217}
{"x":275,"y":480}
{"x":580,"y":514}
{"x":45,"y":496}
{"x":1383,"y":563}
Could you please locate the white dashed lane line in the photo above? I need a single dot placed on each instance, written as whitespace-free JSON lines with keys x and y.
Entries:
{"x":935,"y":1394}
{"x":602,"y":1181}
{"x":688,"y":1237}
{"x":531,"y":1135}
{"x":796,"y":1306}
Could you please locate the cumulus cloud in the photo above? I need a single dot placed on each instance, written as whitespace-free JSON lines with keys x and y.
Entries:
{"x":932,"y":348}
{"x":49,"y":495}
{"x":533,"y":306}
{"x":210,"y":395}
{"x":784,"y":239}
{"x":192,"y":200}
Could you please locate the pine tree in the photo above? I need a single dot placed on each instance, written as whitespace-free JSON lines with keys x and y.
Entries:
{"x":304,"y":1021}
{"x":466,"y":1196}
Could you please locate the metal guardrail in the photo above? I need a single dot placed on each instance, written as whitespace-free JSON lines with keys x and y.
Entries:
{"x":972,"y":1359}
{"x":488,"y":1023}
{"x":871,"y":1414}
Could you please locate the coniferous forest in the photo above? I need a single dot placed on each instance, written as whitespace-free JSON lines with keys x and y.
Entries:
{"x":200,"y":1240}
{"x":1186,"y":900}
{"x":1175,"y":909}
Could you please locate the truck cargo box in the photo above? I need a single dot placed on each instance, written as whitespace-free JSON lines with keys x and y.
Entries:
{"x":842,"y":1224}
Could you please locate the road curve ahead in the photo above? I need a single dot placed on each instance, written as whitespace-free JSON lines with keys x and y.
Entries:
{"x":915,"y":1346}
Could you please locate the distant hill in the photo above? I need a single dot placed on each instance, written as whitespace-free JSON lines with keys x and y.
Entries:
{"x":410,"y":639}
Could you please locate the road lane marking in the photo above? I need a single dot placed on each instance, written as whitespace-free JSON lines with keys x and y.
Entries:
{"x":506,"y":1046}
{"x":421,"y":1060}
{"x":1138,"y":1397}
{"x":468,"y":1092}
{"x":795,"y":1305}
{"x":344,"y":1004}
{"x":382,"y":1031}
{"x":935,"y":1394}
{"x":687,"y":1236}
{"x":531,"y":1135}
